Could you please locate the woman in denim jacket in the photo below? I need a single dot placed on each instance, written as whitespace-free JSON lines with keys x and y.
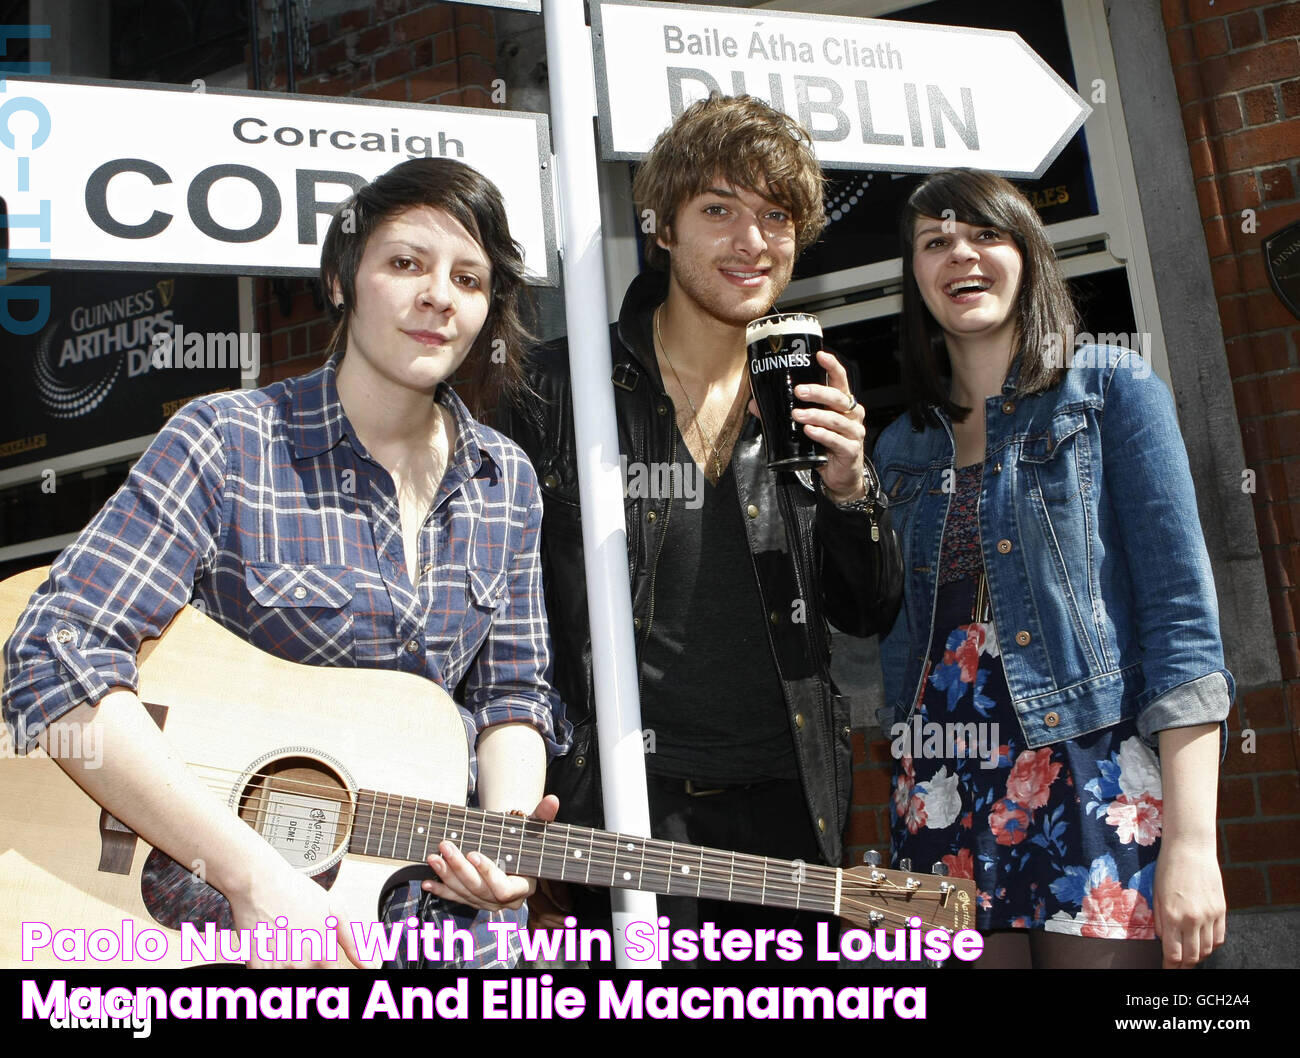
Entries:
{"x":1055,"y":682}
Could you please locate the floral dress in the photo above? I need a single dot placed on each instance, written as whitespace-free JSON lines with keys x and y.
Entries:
{"x":1062,"y":838}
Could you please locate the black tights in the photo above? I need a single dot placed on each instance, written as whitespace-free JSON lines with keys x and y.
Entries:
{"x":1036,"y":949}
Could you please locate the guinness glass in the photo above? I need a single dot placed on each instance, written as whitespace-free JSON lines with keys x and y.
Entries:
{"x":782,"y":352}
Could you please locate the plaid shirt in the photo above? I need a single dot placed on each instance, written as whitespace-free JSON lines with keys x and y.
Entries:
{"x":264,"y":508}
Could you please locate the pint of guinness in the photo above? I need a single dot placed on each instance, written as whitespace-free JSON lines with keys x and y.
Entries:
{"x":782,"y":351}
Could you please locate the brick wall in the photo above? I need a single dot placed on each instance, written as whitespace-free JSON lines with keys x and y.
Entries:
{"x":1237,"y":71}
{"x":407,"y":50}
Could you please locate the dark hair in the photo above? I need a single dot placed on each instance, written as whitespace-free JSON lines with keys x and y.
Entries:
{"x":1044,"y":309}
{"x":749,"y":145}
{"x":474,"y":202}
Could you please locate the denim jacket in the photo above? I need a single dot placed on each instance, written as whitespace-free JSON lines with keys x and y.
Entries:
{"x":1100,"y":584}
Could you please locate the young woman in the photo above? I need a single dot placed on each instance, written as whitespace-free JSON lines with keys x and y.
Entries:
{"x":1055,"y":682}
{"x":355,"y":516}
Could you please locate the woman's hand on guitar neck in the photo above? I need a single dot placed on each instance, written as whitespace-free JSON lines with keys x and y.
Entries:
{"x":476,"y":880}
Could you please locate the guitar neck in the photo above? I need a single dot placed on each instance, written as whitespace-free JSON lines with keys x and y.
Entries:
{"x":404,"y":828}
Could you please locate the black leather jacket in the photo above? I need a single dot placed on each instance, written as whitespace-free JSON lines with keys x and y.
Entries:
{"x":845,"y":566}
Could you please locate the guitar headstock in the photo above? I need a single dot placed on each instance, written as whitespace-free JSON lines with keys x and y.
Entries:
{"x":875,"y":896}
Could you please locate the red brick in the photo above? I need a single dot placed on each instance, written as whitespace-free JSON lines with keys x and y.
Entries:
{"x":1284,"y":394}
{"x":1202,"y":9}
{"x":1223,"y":271}
{"x":394,"y":64}
{"x":1277,"y":184}
{"x":1207,"y":198}
{"x":1225,"y":115}
{"x":1282,"y":21}
{"x":1270,"y":352}
{"x":1195,"y":123}
{"x":858,"y":743}
{"x":1291,"y":98}
{"x":1251,"y":272}
{"x":1237,"y":798}
{"x":1265,"y":311}
{"x":1263,"y":709}
{"x":1279,"y":795}
{"x":1246,"y":396}
{"x":472,"y":40}
{"x":1243,"y":887}
{"x":865,"y":830}
{"x":357,"y":18}
{"x":1174,"y":12}
{"x":375,"y":40}
{"x":1288,"y":657}
{"x":1250,"y":67}
{"x":428,"y":86}
{"x":480,"y":17}
{"x":1240,"y":191}
{"x":1202,"y":159}
{"x":318,"y":34}
{"x":1279,"y":604}
{"x":878,"y":752}
{"x":476,"y":72}
{"x":1216,"y":239}
{"x":1181,"y":48}
{"x":1283,"y":884}
{"x":1211,"y":37}
{"x":1274,"y":839}
{"x":1187,"y":79}
{"x":1244,"y":29}
{"x":1273,"y":752}
{"x":1260,"y":105}
{"x":444,"y":47}
{"x":871,"y":787}
{"x":393,"y":90}
{"x":1279,"y":142}
{"x":423,"y":23}
{"x":422,"y":53}
{"x":1232,"y":316}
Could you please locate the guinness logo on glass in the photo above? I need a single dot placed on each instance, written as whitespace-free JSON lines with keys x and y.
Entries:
{"x":1282,"y":259}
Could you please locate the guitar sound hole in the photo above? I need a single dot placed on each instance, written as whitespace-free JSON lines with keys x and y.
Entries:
{"x":302,"y":808}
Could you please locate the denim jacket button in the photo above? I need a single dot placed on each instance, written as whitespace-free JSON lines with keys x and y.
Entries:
{"x":1023,"y":637}
{"x":997,"y":468}
{"x":1004,"y":547}
{"x":1008,"y":407}
{"x":1051,"y":720}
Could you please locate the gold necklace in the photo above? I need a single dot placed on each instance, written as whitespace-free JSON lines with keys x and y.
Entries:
{"x":695,"y":413}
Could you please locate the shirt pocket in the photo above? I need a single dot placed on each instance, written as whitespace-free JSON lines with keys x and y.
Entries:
{"x":302,"y":613}
{"x":1056,"y":462}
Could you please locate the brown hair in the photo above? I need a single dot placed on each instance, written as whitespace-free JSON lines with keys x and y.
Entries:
{"x":1044,"y":308}
{"x":749,"y":145}
{"x":474,"y":202}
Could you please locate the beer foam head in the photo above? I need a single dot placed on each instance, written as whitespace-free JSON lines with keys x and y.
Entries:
{"x":785,"y":323}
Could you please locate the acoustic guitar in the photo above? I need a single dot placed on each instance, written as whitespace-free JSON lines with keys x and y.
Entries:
{"x":354,"y":776}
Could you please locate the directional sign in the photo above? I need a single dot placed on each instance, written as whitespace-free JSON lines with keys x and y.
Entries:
{"x":102,"y":174}
{"x":874,"y":94}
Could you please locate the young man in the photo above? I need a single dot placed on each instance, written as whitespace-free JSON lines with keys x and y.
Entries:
{"x":732,"y":581}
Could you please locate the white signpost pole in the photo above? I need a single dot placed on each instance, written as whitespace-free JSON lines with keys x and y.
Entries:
{"x":600,"y":479}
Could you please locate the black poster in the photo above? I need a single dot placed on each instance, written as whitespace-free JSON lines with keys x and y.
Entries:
{"x":1282,"y":259}
{"x":94,"y":358}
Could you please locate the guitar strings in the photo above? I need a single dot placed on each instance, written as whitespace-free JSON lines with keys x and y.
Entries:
{"x":601,"y":852}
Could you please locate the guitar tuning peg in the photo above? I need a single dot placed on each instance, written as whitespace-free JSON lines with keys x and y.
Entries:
{"x":905,"y":864}
{"x":871,"y":858}
{"x":940,"y":868}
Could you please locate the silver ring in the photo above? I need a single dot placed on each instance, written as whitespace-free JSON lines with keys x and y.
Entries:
{"x":853,"y":403}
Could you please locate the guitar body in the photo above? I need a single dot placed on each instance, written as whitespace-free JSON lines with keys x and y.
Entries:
{"x":287,"y":746}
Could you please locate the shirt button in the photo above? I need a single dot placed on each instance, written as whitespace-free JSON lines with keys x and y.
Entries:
{"x":1004,"y":547}
{"x":650,"y":516}
{"x":300,"y":592}
{"x":752,"y":511}
{"x":775,"y":617}
{"x":551,"y":480}
{"x":1008,"y":407}
{"x":426,"y":569}
{"x":1051,"y":719}
{"x":798,"y":721}
{"x":997,"y":468}
{"x":412,"y":646}
{"x":64,"y":635}
{"x":1023,"y":637}
{"x":821,"y":824}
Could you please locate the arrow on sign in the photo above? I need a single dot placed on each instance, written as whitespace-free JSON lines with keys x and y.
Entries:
{"x":874,"y":94}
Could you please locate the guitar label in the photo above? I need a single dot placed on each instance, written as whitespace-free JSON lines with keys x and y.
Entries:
{"x":300,"y":827}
